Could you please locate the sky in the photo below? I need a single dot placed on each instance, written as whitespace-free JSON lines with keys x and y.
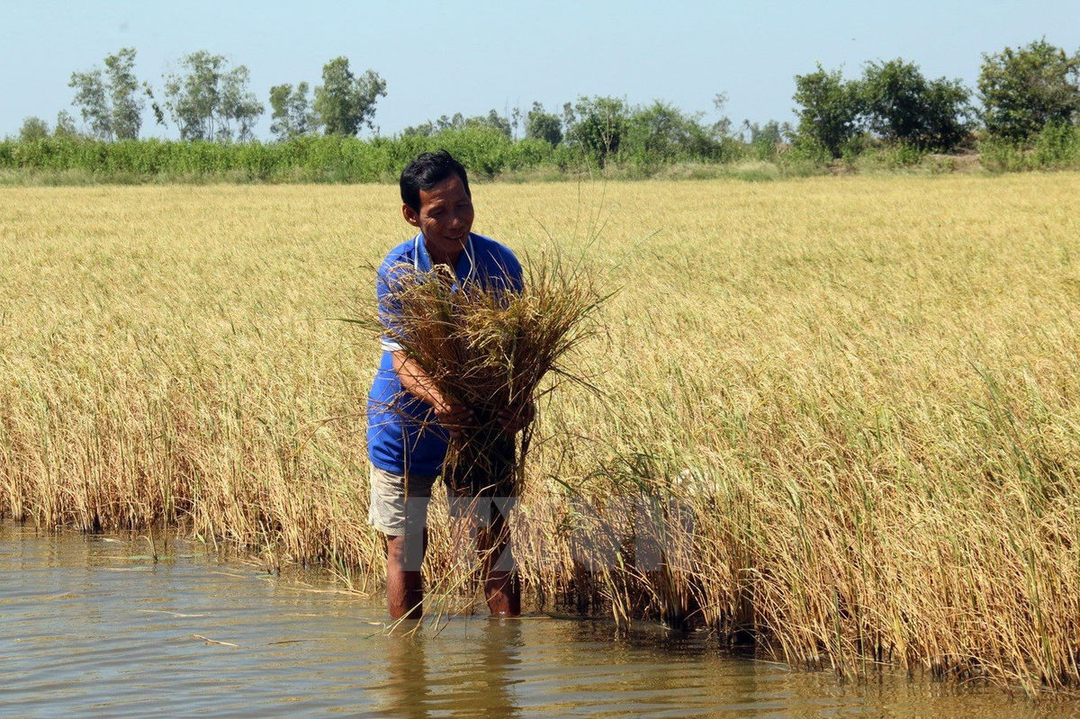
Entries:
{"x":440,"y":58}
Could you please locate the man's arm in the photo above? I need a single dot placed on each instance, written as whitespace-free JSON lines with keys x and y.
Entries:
{"x":419,"y":384}
{"x":454,"y":417}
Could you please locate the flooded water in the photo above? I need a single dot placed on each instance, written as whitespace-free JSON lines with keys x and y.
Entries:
{"x":90,"y":626}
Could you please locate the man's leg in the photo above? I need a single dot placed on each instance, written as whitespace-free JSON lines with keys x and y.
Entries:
{"x":404,"y":586}
{"x":501,"y":586}
{"x":398,"y":509}
{"x":475,"y":527}
{"x":481,"y":494}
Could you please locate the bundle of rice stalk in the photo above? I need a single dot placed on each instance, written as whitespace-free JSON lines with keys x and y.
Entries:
{"x":489,"y":348}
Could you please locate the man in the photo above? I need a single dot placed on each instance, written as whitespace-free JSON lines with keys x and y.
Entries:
{"x":409,"y":420}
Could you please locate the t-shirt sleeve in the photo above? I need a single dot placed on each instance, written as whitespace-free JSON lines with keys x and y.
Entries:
{"x":389,"y":308}
{"x":509,"y":273}
{"x":515,"y":273}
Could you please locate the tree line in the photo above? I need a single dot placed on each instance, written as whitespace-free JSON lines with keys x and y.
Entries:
{"x":1025,"y":95}
{"x":209,"y":100}
{"x":1022,"y":92}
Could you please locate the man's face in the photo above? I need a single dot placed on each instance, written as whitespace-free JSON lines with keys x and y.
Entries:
{"x":445,"y":218}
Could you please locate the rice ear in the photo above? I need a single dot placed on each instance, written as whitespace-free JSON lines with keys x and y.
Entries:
{"x":488,"y":348}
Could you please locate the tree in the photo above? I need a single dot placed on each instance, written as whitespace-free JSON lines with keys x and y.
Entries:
{"x":830,"y":109}
{"x":238,"y":104}
{"x":65,"y":125}
{"x":91,"y":99}
{"x":597,"y":125}
{"x":345,"y":102}
{"x":722,"y":127}
{"x":424,"y":129}
{"x":568,"y":115}
{"x":492,"y":120}
{"x":159,"y":113}
{"x":515,"y":120}
{"x":543,"y":125}
{"x":289,"y":111}
{"x":949,"y":114}
{"x":662,"y":132}
{"x":1026,"y":89}
{"x":123,"y":88}
{"x":109,"y":102}
{"x":770,"y":134}
{"x":33,"y":129}
{"x":207,"y":100}
{"x":457,"y":122}
{"x":766,"y":139}
{"x":193,"y":99}
{"x":902,"y":106}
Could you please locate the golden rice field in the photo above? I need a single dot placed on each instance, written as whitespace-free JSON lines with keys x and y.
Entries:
{"x":854,"y":401}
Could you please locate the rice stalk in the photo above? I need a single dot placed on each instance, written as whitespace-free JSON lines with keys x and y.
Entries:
{"x":863,"y":391}
{"x":488,"y":348}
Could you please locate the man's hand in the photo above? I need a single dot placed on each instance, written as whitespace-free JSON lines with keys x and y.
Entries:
{"x":517,"y":416}
{"x":455,"y":418}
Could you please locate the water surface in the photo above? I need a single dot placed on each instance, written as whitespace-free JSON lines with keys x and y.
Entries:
{"x":92,"y":626}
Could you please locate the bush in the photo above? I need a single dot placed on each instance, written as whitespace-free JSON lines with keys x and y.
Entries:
{"x":485,"y":150}
{"x":831,"y":109}
{"x":1058,"y":146}
{"x":1026,"y":89}
{"x":1001,"y":155}
{"x":656,"y":141}
{"x":890,"y":157}
{"x":7,"y":153}
{"x":904,"y":107}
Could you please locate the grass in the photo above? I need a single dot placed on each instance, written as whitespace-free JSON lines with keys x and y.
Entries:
{"x":839,"y":414}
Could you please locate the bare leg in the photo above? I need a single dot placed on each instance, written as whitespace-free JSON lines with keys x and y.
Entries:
{"x":501,"y":586}
{"x":503,"y":593}
{"x":404,"y":587}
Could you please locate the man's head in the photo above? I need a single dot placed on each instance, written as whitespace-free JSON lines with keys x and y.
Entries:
{"x":426,"y":171}
{"x":435,"y":193}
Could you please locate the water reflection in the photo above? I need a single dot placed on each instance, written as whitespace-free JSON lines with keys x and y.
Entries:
{"x":406,"y":689}
{"x":479,"y":678}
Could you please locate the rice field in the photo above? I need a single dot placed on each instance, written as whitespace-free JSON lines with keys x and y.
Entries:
{"x":841,"y":415}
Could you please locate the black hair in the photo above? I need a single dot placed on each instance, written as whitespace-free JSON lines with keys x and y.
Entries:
{"x":426,"y":171}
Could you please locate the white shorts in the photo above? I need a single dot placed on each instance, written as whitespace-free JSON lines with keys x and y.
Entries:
{"x":399,"y":503}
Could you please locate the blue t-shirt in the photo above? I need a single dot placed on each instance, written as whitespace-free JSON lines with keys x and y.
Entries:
{"x":403,"y":435}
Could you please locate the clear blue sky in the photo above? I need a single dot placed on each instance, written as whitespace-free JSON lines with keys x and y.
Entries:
{"x":469,"y":57}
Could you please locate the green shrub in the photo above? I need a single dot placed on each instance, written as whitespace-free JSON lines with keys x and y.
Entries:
{"x":1000,"y":155}
{"x":7,"y":153}
{"x":667,"y":145}
{"x":807,"y":150}
{"x":1057,"y":146}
